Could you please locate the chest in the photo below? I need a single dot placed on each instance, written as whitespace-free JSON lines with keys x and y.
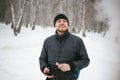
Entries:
{"x":66,"y":49}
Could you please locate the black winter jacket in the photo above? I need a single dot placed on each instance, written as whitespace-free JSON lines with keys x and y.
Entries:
{"x":66,"y":48}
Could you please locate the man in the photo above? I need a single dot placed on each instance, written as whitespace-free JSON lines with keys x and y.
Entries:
{"x":63,"y":54}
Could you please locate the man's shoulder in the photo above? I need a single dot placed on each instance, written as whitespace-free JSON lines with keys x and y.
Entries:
{"x":76,"y":39}
{"x":50,"y":37}
{"x":73,"y":36}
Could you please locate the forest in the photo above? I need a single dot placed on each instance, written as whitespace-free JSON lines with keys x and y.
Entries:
{"x":84,"y":15}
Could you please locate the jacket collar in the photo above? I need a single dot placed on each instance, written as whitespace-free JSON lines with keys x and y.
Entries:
{"x":65,"y":35}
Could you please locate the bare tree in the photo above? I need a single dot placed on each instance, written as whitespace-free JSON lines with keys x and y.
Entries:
{"x":84,"y":15}
{"x":16,"y":24}
{"x":36,"y":13}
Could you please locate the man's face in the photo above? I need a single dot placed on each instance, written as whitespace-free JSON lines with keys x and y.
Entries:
{"x":61,"y":25}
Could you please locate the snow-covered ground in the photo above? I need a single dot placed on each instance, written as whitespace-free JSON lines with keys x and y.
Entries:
{"x":19,"y":55}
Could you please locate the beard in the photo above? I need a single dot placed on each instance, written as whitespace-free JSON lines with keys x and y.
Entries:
{"x":62,"y":29}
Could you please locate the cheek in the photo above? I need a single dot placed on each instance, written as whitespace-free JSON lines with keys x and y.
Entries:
{"x":57,"y":24}
{"x":66,"y":24}
{"x":56,"y":27}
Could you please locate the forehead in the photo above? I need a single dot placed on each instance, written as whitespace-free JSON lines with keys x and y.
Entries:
{"x":61,"y":19}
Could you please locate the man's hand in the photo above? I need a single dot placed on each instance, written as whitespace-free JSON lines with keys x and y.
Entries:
{"x":64,"y":67}
{"x":46,"y":73}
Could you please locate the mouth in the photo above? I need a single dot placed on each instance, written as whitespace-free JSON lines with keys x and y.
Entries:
{"x":62,"y":26}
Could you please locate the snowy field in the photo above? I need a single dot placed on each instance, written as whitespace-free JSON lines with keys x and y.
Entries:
{"x":19,"y":55}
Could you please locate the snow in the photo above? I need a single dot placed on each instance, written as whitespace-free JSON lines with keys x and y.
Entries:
{"x":19,"y":55}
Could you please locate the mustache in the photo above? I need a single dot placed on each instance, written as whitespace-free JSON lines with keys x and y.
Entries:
{"x":61,"y":25}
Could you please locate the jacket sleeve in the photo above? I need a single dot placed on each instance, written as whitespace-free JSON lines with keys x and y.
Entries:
{"x":83,"y":59}
{"x":43,"y":57}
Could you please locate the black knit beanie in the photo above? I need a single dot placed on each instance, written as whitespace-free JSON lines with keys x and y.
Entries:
{"x":60,"y":16}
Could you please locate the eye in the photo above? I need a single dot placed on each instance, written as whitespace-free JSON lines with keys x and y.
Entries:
{"x":64,"y":20}
{"x":58,"y":21}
